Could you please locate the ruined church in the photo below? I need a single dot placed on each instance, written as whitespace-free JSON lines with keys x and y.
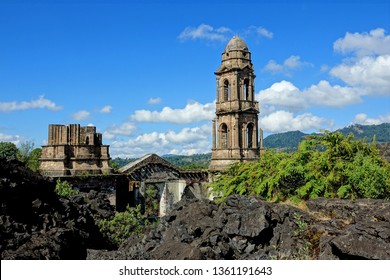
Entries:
{"x":76,"y":150}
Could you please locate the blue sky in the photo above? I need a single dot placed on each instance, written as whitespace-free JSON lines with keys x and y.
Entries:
{"x":142,"y":72}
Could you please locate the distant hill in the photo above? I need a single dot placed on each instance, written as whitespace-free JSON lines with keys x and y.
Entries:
{"x":289,"y":140}
{"x":197,"y":161}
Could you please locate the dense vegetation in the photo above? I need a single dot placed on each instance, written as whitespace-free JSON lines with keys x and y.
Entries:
{"x":288,"y":141}
{"x":329,"y":165}
{"x":123,"y":225}
{"x":197,"y":161}
{"x":25,"y":153}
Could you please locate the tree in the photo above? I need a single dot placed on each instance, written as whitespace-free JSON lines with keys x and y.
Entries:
{"x":8,"y":150}
{"x":34,"y":159}
{"x":25,"y":150}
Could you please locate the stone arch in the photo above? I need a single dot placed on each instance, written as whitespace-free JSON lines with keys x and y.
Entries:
{"x":226,"y":90}
{"x":249,"y":135}
{"x":246,"y":93}
{"x":223,"y":136}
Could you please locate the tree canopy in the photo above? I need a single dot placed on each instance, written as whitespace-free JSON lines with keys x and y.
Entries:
{"x":330,"y":165}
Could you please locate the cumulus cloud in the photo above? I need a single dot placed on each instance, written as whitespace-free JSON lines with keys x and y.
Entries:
{"x":281,"y":121}
{"x":16,"y":139}
{"x":259,"y":31}
{"x":264,"y":32}
{"x":325,"y":94}
{"x":154,"y":101}
{"x":106,"y":109}
{"x":282,"y":95}
{"x":286,"y":96}
{"x":205,"y":32}
{"x":81,"y":115}
{"x":125,"y":129}
{"x":369,"y":73}
{"x":365,"y":120}
{"x":184,"y":142}
{"x":292,"y":62}
{"x":40,"y":103}
{"x":374,"y":42}
{"x":192,"y":112}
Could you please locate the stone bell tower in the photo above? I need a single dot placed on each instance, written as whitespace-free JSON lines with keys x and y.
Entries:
{"x":235,"y":126}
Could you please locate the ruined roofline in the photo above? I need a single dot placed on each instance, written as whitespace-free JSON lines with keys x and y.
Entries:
{"x":146,"y":159}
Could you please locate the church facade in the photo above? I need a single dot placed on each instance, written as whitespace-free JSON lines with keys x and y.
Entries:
{"x":235,"y":126}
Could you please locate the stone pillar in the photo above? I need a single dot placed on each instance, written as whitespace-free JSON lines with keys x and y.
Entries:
{"x":261,"y":139}
{"x":214,"y":135}
{"x":237,"y":132}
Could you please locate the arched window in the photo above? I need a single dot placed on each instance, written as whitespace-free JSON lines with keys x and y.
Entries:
{"x":224,"y":139}
{"x":249,"y":135}
{"x":246,"y":90}
{"x":87,"y":140}
{"x":226,"y":90}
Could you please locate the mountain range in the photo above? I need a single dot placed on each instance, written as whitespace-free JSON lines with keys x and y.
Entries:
{"x":289,"y":140}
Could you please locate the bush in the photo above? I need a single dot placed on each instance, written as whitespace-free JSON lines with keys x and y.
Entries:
{"x":63,"y":189}
{"x":8,"y":151}
{"x":123,"y":225}
{"x":328,"y":165}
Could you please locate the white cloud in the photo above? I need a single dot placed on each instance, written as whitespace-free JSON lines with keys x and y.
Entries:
{"x":125,"y":129}
{"x":264,"y":32}
{"x":204,"y":31}
{"x":282,"y":95}
{"x":106,"y":109}
{"x":81,"y":115}
{"x":258,"y":30}
{"x":16,"y":139}
{"x":373,"y":43}
{"x":154,"y":101}
{"x":369,"y":73}
{"x":286,"y":96}
{"x":281,"y":121}
{"x":364,"y":119}
{"x":40,"y":103}
{"x":292,"y":62}
{"x":185,"y":142}
{"x":324,"y":94}
{"x":192,"y":112}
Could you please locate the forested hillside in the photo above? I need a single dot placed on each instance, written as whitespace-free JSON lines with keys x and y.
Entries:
{"x":288,"y":141}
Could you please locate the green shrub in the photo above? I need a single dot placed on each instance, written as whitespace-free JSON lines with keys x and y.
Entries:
{"x":8,"y":150}
{"x":123,"y":225}
{"x":328,"y":165}
{"x":63,"y":189}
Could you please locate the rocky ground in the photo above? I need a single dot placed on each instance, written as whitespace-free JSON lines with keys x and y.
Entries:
{"x":36,"y":224}
{"x":250,"y":228}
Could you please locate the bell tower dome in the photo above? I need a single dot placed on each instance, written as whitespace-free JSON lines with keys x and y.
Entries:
{"x":235,"y":126}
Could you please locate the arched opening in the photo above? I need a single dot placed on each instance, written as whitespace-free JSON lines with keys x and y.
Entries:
{"x":87,"y":140}
{"x":249,"y":135}
{"x":224,"y":136}
{"x":246,"y":90}
{"x":226,"y":90}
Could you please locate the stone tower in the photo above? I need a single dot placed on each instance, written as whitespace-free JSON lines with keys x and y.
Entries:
{"x":74,"y":150}
{"x":235,"y":127}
